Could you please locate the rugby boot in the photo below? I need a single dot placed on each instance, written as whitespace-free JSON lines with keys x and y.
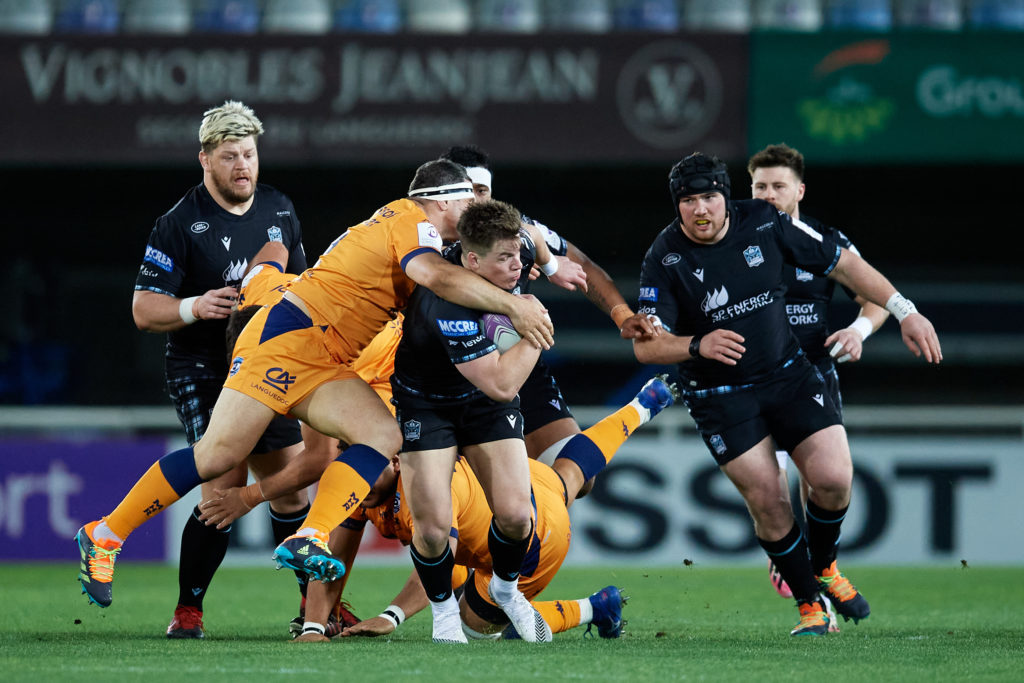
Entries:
{"x":607,"y":605}
{"x":778,"y":583}
{"x":526,"y":620}
{"x":96,"y":573}
{"x":311,"y":555}
{"x":848,"y":602}
{"x":657,"y":394}
{"x":187,"y":623}
{"x":813,"y":619}
{"x":447,"y":624}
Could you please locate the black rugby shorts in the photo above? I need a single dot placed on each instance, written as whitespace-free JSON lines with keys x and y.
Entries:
{"x":790,"y":406}
{"x":428,"y":426}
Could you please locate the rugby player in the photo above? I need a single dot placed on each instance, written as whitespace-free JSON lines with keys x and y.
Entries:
{"x":714,"y":280}
{"x":777,"y":176}
{"x":195,"y":258}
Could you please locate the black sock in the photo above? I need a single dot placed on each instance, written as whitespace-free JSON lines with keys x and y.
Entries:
{"x":506,"y":553}
{"x":791,"y":559}
{"x":202,"y":550}
{"x":435,"y":573}
{"x":283,"y":525}
{"x":823,"y":535}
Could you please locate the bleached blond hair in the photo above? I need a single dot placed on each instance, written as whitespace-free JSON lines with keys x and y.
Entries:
{"x":230,"y":121}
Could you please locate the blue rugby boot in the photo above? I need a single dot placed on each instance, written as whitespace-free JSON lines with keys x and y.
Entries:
{"x":309,"y":554}
{"x":607,"y":605}
{"x":654,"y":397}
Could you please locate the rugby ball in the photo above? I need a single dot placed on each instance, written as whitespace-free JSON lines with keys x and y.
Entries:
{"x":498,"y":328}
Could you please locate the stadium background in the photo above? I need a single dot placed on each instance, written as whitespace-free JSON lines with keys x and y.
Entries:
{"x":912,"y":138}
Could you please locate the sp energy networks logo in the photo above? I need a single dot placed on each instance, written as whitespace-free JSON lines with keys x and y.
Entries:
{"x":848,"y":110}
{"x":669,"y":94}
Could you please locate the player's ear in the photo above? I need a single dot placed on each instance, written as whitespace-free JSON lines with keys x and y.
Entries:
{"x":204,"y":160}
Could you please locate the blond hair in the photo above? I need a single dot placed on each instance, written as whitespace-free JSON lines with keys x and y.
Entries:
{"x":230,"y":121}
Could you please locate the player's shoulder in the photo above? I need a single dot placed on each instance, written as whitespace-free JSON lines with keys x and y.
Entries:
{"x":753,"y":213}
{"x":827,"y":230}
{"x":275,"y":199}
{"x":188,"y":212}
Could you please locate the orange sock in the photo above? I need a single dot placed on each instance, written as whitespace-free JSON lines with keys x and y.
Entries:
{"x":344,"y":484}
{"x":611,"y":432}
{"x":151,"y":494}
{"x":561,"y":615}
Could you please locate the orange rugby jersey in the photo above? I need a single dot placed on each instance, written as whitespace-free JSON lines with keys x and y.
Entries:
{"x":359,"y":283}
{"x":263,"y":285}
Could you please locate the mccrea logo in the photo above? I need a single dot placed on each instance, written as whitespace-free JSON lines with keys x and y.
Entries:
{"x":159,"y":259}
{"x":458,"y":328}
{"x":648,"y":294}
{"x":280,"y":379}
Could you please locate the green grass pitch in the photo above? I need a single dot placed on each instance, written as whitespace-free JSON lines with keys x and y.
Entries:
{"x":685,"y":623}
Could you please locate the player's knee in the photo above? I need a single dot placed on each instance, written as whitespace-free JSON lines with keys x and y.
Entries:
{"x":215,"y":457}
{"x":514,"y":523}
{"x":434,"y":535}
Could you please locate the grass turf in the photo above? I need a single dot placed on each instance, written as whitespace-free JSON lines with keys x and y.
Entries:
{"x":689,"y":623}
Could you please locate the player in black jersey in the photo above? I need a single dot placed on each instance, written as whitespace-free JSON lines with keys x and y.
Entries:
{"x":777,"y":176}
{"x":195,"y":259}
{"x":714,"y":280}
{"x":456,"y":393}
{"x":549,"y":424}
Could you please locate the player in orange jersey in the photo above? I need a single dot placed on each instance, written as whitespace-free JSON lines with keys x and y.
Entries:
{"x":295,"y":358}
{"x":553,"y":488}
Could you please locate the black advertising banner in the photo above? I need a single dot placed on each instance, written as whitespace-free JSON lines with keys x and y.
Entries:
{"x":376,"y":100}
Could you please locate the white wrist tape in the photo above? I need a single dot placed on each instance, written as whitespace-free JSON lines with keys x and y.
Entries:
{"x":863,"y":325}
{"x":394,"y":614}
{"x":549,"y":268}
{"x":900,"y":306}
{"x":185,"y":310}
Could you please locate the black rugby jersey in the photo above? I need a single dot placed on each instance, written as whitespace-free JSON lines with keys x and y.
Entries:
{"x":436,"y":336}
{"x":808,"y":297}
{"x":198,"y":246}
{"x":735,"y":284}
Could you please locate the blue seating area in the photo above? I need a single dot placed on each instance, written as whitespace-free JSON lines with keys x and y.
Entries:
{"x":311,"y":17}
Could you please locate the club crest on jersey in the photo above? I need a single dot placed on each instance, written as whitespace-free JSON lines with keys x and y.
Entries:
{"x":459,"y":328}
{"x":236,"y":365}
{"x":274,"y":234}
{"x":200,"y":226}
{"x":411,"y":430}
{"x":753,"y":256}
{"x":648,"y":294}
{"x":803,"y":275}
{"x":717,"y":443}
{"x":671,"y":259}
